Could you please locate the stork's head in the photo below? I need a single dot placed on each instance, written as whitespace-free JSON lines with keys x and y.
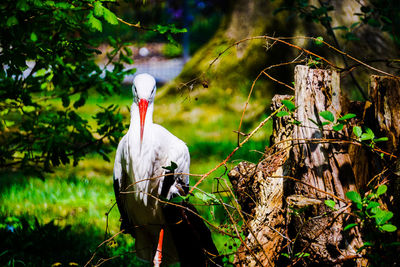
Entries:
{"x":144,"y":91}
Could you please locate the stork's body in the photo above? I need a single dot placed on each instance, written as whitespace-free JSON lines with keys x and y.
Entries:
{"x":138,"y":173}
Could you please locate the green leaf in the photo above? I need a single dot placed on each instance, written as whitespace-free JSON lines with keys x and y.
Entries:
{"x":376,"y":209}
{"x":354,"y":24}
{"x":98,"y":9}
{"x":289,"y":105}
{"x":33,"y":37}
{"x":206,"y":197}
{"x":171,"y":167}
{"x":22,"y":5}
{"x":330,"y":203}
{"x":349,"y":226}
{"x":302,"y":254}
{"x":354,"y":196}
{"x":383,"y":216}
{"x":285,"y":255}
{"x":9,"y":123}
{"x":11,"y":21}
{"x":344,"y":28}
{"x":179,"y":199}
{"x":381,"y":139}
{"x":110,"y":17}
{"x":40,"y":73}
{"x":327,"y":115}
{"x":28,"y":109}
{"x":319,"y":40}
{"x":388,"y":228}
{"x":94,"y":23}
{"x":347,"y":117}
{"x":373,"y":204}
{"x":357,"y":131}
{"x":338,"y":127}
{"x":368,"y":135}
{"x":381,"y":190}
{"x":282,"y":113}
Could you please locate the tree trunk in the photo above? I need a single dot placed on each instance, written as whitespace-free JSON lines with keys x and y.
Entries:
{"x":323,"y":168}
{"x":260,"y":195}
{"x":302,"y":169}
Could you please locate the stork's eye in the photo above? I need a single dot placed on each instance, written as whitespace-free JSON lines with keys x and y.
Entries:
{"x":152,"y":91}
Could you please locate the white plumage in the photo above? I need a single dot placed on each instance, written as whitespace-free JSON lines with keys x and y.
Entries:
{"x":138,"y":173}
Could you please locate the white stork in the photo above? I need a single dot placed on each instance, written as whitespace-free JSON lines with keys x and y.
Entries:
{"x":140,"y":181}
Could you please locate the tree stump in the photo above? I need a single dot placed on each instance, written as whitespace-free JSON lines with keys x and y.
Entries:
{"x":259,"y":190}
{"x":322,"y":168}
{"x":289,"y":186}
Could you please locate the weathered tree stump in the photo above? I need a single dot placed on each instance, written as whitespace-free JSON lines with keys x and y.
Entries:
{"x":261,"y":195}
{"x":323,"y":169}
{"x":303,"y":168}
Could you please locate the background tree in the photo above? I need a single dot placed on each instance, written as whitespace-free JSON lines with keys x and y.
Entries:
{"x":366,"y":30}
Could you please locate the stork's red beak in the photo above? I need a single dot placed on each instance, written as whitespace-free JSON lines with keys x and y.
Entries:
{"x":143,"y":103}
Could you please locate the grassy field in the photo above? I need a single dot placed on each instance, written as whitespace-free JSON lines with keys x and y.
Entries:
{"x":61,"y":220}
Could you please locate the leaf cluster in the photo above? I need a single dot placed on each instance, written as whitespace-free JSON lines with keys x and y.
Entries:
{"x":374,"y":221}
{"x":290,"y":109}
{"x":47,"y":70}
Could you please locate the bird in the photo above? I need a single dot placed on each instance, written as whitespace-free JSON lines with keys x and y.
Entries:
{"x":151,"y":167}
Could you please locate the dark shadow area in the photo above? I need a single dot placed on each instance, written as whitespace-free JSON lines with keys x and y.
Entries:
{"x":26,"y":242}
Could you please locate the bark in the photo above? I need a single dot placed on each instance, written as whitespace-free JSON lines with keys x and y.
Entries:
{"x":259,"y":190}
{"x":323,"y":168}
{"x":284,"y":194}
{"x":385,"y":96}
{"x":291,"y":216}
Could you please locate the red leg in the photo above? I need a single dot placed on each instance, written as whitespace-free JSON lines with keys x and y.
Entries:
{"x":158,"y":256}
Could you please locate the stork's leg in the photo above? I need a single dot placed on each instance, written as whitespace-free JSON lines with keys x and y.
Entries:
{"x":158,"y":256}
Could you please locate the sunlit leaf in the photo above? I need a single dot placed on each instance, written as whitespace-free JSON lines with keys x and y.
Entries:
{"x":349,"y":226}
{"x":347,"y":117}
{"x":282,"y":113}
{"x":388,"y":228}
{"x":372,"y":204}
{"x":354,"y":196}
{"x":319,"y":40}
{"x":330,"y":203}
{"x":357,"y":131}
{"x":327,"y":115}
{"x":109,"y":16}
{"x":338,"y":127}
{"x":289,"y":105}
{"x":381,"y":189}
{"x":98,"y":9}
{"x":94,"y":23}
{"x":33,"y":37}
{"x":381,"y":139}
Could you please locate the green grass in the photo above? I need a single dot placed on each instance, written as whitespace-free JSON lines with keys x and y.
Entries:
{"x":61,"y":219}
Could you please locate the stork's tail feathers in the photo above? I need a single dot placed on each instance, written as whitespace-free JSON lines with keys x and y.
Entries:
{"x":191,"y":236}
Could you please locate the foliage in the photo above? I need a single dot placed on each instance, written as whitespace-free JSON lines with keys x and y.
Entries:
{"x":171,"y":50}
{"x":32,"y":243}
{"x":374,"y":220}
{"x":383,"y":15}
{"x":47,"y":71}
{"x":290,"y":109}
